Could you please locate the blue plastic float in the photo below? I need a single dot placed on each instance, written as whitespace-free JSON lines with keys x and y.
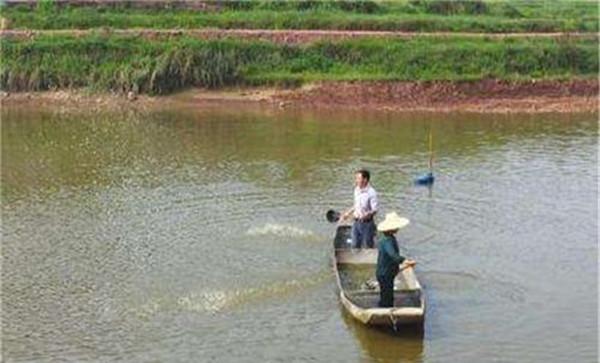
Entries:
{"x":425,"y":179}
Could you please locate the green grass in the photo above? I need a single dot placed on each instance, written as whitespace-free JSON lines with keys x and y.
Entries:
{"x":407,"y":15}
{"x":121,"y":64}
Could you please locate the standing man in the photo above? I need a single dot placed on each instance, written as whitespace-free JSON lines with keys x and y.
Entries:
{"x":363,"y":211}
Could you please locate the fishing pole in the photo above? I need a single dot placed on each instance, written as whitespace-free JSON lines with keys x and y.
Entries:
{"x":428,"y":178}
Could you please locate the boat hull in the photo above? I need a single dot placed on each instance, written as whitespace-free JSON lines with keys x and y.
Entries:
{"x":359,"y":291}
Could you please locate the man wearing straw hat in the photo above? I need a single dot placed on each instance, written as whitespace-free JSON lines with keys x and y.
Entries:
{"x":389,"y":258}
{"x":363,"y":211}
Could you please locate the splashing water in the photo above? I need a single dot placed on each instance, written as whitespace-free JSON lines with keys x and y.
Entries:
{"x":281,"y":230}
{"x":216,"y":301}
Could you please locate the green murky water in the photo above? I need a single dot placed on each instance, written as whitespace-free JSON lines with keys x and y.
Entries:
{"x":199,"y":235}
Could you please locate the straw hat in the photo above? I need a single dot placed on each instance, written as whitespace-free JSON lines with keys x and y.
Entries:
{"x":392,"y":222}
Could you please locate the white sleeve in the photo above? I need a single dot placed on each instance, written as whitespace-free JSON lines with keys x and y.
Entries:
{"x":374,"y":202}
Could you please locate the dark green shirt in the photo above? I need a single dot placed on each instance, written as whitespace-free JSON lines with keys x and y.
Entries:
{"x":389,"y":257}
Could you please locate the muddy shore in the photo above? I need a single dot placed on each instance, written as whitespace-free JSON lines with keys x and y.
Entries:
{"x":486,"y":96}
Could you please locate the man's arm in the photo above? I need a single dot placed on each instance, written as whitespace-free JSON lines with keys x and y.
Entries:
{"x":390,"y":251}
{"x":387,"y":248}
{"x":346,"y":214}
{"x":373,"y":204}
{"x":369,"y":215}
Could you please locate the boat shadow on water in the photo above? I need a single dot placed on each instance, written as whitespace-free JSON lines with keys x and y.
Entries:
{"x":384,"y":344}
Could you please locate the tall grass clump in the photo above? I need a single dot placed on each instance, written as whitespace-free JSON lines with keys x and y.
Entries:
{"x":445,"y":7}
{"x":358,"y":6}
{"x":123,"y":64}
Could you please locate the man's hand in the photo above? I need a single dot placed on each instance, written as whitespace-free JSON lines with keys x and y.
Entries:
{"x":408,"y":263}
{"x":343,"y":217}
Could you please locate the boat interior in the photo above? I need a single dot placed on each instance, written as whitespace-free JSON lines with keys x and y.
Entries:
{"x":356,"y":269}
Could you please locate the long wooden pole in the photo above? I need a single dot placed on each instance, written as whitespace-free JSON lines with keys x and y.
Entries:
{"x":430,"y":150}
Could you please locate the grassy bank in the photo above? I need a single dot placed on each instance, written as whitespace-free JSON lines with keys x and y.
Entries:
{"x":159,"y":67}
{"x":409,"y":15}
{"x":163,"y":66}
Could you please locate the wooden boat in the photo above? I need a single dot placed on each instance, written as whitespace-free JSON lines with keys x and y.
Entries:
{"x":359,"y":291}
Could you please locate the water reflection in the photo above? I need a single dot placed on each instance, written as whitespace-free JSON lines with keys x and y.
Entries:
{"x":386,"y":346}
{"x":40,"y":146}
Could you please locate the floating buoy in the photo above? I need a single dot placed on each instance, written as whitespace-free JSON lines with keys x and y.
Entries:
{"x":425,"y":179}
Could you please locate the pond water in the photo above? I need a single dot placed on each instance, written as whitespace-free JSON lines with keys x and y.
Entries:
{"x":199,"y":234}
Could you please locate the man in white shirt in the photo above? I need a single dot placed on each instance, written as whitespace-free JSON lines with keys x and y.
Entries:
{"x":363,"y":211}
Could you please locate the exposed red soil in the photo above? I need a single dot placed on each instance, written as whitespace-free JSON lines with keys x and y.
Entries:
{"x":476,"y":96}
{"x":487,"y":96}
